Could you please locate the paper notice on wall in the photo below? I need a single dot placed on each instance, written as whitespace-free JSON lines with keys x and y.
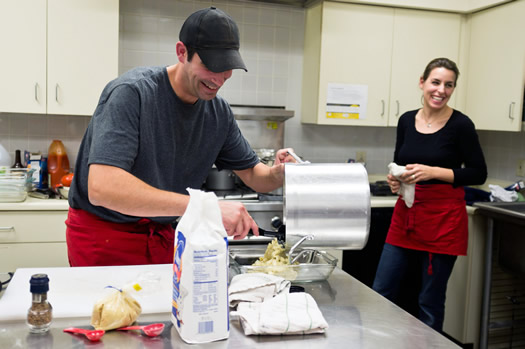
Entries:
{"x":346,"y":101}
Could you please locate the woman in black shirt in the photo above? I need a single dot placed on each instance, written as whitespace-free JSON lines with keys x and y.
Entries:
{"x":440,"y":149}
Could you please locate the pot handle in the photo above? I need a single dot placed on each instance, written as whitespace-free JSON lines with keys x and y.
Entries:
{"x":280,"y":234}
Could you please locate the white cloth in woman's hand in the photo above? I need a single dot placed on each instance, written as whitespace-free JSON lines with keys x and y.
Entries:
{"x":407,"y":191}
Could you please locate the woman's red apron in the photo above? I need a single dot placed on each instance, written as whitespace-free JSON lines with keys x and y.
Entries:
{"x":92,"y":241}
{"x":437,"y":222}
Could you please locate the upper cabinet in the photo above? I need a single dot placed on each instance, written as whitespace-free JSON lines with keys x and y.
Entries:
{"x":496,"y":70}
{"x":458,"y":6}
{"x":58,"y":54}
{"x":346,"y":44}
{"x":419,"y":37}
{"x":23,"y":69}
{"x":367,"y":61}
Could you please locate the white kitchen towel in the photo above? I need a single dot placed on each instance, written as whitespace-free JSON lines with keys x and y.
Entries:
{"x":498,"y":194}
{"x":407,"y":191}
{"x":286,"y":313}
{"x":255,"y":287}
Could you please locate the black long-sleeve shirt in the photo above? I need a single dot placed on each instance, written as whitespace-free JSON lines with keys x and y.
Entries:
{"x":455,"y":146}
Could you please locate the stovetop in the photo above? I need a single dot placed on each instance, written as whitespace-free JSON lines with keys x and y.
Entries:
{"x":243,"y":193}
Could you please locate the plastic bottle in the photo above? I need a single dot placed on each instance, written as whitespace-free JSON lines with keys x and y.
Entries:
{"x":18,"y":160}
{"x":57,"y":162}
{"x":5,"y":159}
{"x":40,"y":315}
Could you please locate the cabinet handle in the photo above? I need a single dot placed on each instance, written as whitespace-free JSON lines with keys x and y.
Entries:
{"x":397,"y":112}
{"x":56,"y":93}
{"x":7,"y":229}
{"x":382,"y":107}
{"x":36,"y":91}
{"x":510,"y":110}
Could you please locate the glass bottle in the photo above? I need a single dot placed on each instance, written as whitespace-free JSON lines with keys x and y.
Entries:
{"x":18,"y":160}
{"x":40,"y":314}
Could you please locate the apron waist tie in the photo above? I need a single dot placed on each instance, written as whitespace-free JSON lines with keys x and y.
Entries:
{"x":429,"y":270}
{"x":160,"y":239}
{"x":410,"y":220}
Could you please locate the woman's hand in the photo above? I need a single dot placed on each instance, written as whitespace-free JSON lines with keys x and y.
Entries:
{"x":393,"y":183}
{"x":417,"y":173}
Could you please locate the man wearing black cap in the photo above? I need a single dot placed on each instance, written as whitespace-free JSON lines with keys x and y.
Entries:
{"x":155,"y":132}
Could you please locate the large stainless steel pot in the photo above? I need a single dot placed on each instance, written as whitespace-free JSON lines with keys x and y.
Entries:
{"x":220,"y":180}
{"x":329,"y":201}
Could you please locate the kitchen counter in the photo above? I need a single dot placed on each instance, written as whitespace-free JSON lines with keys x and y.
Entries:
{"x":357,"y":318}
{"x":60,"y":204}
{"x":34,"y":204}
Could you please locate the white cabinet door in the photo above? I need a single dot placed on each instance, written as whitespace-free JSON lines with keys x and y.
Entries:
{"x":465,"y":286}
{"x":384,"y":49}
{"x":23,"y":57}
{"x":33,"y":255}
{"x":497,"y":68}
{"x":82,"y":53}
{"x":57,"y":55}
{"x":32,"y":226}
{"x":355,"y":49}
{"x":31,"y":239}
{"x":419,"y":37}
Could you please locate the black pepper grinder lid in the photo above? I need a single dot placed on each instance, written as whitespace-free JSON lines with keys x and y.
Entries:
{"x":39,"y":283}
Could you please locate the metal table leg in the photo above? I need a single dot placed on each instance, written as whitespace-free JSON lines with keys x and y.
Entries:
{"x":485,"y":308}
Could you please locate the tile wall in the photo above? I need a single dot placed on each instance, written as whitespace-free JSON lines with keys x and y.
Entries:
{"x":271,"y":45}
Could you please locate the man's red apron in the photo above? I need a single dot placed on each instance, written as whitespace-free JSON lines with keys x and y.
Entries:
{"x":92,"y":241}
{"x":437,"y":222}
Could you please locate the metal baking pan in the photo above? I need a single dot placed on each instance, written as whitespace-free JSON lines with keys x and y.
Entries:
{"x":313,"y":265}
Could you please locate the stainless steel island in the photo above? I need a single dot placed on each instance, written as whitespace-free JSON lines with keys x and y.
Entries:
{"x":357,"y":318}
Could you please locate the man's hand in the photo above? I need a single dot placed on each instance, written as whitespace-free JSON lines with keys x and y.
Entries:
{"x":282,"y":156}
{"x":236,"y":219}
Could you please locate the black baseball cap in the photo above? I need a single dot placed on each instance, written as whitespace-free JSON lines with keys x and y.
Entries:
{"x":215,"y":37}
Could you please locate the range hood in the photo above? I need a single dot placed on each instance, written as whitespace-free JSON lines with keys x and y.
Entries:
{"x":261,"y":113}
{"x":262,"y":126}
{"x":294,"y":3}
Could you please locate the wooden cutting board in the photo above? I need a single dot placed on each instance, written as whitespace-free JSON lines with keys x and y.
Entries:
{"x":74,"y":291}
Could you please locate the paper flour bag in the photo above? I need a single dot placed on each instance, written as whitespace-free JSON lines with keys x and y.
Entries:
{"x":200,"y":272}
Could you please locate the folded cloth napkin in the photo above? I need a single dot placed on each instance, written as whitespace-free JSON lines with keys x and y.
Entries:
{"x":255,"y":287}
{"x":498,"y":194}
{"x":407,"y":191}
{"x":286,"y":313}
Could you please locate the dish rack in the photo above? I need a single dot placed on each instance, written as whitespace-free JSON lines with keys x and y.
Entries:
{"x":15,"y":183}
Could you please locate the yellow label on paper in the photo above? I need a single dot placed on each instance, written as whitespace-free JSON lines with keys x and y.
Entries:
{"x":332,"y":115}
{"x":272,"y":126}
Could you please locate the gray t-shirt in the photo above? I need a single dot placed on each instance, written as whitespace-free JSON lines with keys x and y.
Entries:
{"x":141,"y":126}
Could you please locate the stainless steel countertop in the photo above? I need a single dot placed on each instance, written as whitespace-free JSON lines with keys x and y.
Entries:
{"x":508,"y":209}
{"x":357,"y":318}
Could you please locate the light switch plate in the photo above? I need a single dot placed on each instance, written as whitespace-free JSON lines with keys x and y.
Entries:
{"x":520,"y":170}
{"x":360,"y":157}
